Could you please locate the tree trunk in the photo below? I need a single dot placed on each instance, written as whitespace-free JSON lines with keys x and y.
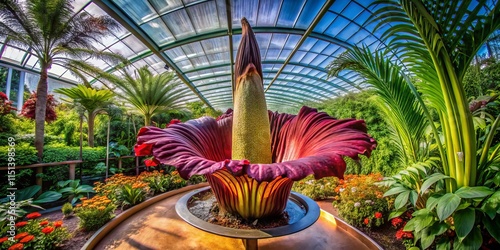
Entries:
{"x":40,"y":110}
{"x":91,"y":120}
{"x":147,"y":119}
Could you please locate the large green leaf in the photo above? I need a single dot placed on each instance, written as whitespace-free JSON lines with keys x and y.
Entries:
{"x":432,"y":201}
{"x":493,"y":227}
{"x":395,"y":190}
{"x":473,"y":241}
{"x":49,"y":196}
{"x":447,"y":204}
{"x":27,"y":193}
{"x":431,"y":180}
{"x":427,"y":238}
{"x":401,"y":199}
{"x":473,"y":192}
{"x":464,"y":222}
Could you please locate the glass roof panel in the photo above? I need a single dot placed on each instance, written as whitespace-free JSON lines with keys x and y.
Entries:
{"x":158,"y":31}
{"x":138,"y":10}
{"x":163,"y":6}
{"x":179,"y":24}
{"x":289,"y":13}
{"x":268,"y":12}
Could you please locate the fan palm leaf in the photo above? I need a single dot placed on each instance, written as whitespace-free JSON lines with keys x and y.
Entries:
{"x":150,"y":94}
{"x":92,"y":100}
{"x":394,"y":97}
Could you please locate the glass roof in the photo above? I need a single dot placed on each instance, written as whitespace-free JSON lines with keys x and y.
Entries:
{"x":199,"y":38}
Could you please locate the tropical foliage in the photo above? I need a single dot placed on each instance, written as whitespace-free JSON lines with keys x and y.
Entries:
{"x":56,"y":36}
{"x":150,"y":94}
{"x":436,"y":42}
{"x":93,"y":101}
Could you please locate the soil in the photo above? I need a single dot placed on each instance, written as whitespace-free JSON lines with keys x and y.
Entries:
{"x":204,"y":206}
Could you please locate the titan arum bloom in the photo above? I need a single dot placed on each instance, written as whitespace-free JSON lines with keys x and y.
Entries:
{"x":252,"y":156}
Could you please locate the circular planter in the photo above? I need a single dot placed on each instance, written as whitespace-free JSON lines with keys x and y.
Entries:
{"x":250,"y":236}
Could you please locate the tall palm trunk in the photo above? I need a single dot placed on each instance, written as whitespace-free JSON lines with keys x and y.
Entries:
{"x":91,"y":120}
{"x":147,"y":119}
{"x":40,"y":109}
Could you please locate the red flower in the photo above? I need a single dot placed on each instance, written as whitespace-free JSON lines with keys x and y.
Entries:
{"x":47,"y":230}
{"x":21,"y":224}
{"x":58,"y":223}
{"x":403,"y":234}
{"x":44,"y":223}
{"x":378,"y":215}
{"x":150,"y":163}
{"x":366,"y":221}
{"x":245,"y":162}
{"x":396,"y":222}
{"x":21,"y":235}
{"x":173,"y":121}
{"x":17,"y":246}
{"x":33,"y":215}
{"x":27,"y":239}
{"x":3,"y":239}
{"x":143,"y":149}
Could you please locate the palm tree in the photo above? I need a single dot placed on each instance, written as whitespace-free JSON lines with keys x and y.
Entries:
{"x":93,"y":101}
{"x":437,"y":40}
{"x":396,"y":97}
{"x":52,"y":32}
{"x":149,"y":94}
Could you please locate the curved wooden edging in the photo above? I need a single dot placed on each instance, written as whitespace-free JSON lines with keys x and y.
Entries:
{"x":108,"y":227}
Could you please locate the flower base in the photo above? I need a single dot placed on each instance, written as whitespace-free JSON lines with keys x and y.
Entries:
{"x":247,"y":197}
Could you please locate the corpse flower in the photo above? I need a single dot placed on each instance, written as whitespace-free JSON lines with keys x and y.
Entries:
{"x":251,"y":156}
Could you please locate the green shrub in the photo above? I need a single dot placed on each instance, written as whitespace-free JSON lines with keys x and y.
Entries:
{"x":360,"y":202}
{"x":132,"y":194}
{"x":25,"y":154}
{"x":67,"y":209}
{"x":316,"y":189}
{"x":95,"y":212}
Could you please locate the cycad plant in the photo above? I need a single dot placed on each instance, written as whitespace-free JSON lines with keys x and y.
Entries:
{"x":93,"y":101}
{"x":56,"y":36}
{"x":150,"y":94}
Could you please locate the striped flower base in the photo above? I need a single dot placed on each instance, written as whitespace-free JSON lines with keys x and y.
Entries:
{"x":248,"y":198}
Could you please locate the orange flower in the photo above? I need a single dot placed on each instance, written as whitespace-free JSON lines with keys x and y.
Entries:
{"x":21,"y":235}
{"x":44,"y":223}
{"x":33,"y":215}
{"x":21,"y":224}
{"x":47,"y":230}
{"x":27,"y":239}
{"x":58,"y":223}
{"x":366,"y":221}
{"x":83,"y":198}
{"x":17,"y":246}
{"x":101,"y":208}
{"x":3,"y":239}
{"x":378,"y":215}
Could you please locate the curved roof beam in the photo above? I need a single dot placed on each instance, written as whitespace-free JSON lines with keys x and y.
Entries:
{"x":116,"y":13}
{"x":237,"y":31}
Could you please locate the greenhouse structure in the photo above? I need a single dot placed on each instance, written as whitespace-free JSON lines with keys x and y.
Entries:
{"x":249,"y":124}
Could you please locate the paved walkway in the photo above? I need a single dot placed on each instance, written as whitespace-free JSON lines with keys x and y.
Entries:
{"x":159,"y":227}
